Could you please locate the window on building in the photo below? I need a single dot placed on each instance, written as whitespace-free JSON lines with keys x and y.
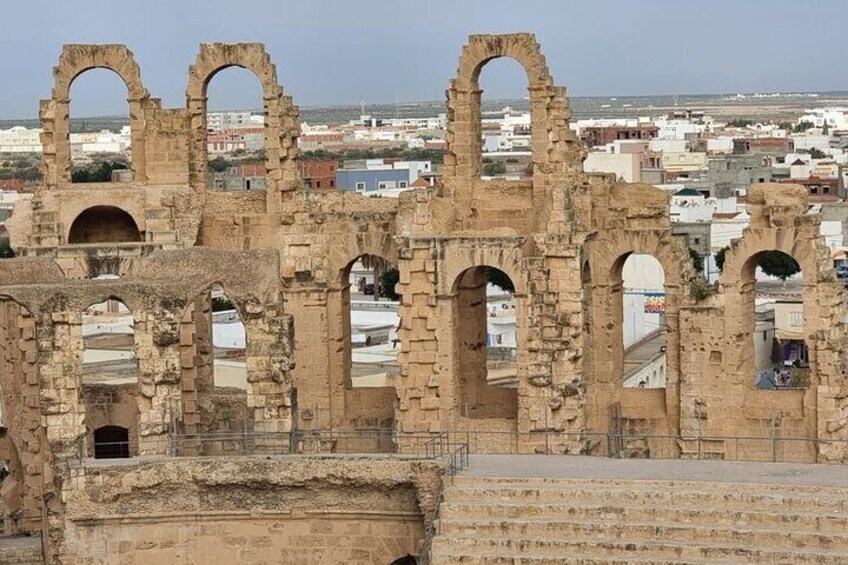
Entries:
{"x":381,"y":185}
{"x":317,"y":184}
{"x":402,"y":184}
{"x":825,"y":190}
{"x":360,"y":186}
{"x":796,"y":319}
{"x":332,"y":184}
{"x":697,"y":241}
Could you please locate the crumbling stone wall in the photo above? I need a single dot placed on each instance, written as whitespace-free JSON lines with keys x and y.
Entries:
{"x":283,"y":256}
{"x":245,"y":510}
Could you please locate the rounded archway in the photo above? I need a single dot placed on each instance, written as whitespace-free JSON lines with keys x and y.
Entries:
{"x":111,"y":442}
{"x":104,"y":224}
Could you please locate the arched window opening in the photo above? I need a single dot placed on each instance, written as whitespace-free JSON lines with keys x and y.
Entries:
{"x":110,"y":376}
{"x":111,"y":442}
{"x":235,"y":131}
{"x":371,"y":323}
{"x":643,"y":327}
{"x":505,"y":124}
{"x":486,"y":323}
{"x":104,"y":224}
{"x":100,"y":137}
{"x":229,"y":342}
{"x":775,"y":301}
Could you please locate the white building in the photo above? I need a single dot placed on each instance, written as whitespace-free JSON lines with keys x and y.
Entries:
{"x":234,"y":120}
{"x":20,"y":140}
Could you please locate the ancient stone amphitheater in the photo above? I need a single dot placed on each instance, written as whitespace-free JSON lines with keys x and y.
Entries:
{"x":371,"y":479}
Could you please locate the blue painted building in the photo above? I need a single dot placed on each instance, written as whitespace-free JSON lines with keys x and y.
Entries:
{"x":372,"y":180}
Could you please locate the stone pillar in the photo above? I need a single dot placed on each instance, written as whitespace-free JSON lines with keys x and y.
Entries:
{"x":23,"y":445}
{"x":60,"y":349}
{"x":269,"y":354}
{"x":157,"y":343}
{"x":422,"y":402}
{"x":319,"y":403}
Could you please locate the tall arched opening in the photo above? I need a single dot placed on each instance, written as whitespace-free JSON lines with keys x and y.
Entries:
{"x":484,"y":313}
{"x":110,"y":379}
{"x":641,"y":303}
{"x":235,"y":131}
{"x":505,"y":126}
{"x":776,"y":318}
{"x":100,"y":136}
{"x":369,"y":344}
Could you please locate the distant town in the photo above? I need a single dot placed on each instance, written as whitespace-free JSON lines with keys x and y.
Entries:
{"x":704,"y":157}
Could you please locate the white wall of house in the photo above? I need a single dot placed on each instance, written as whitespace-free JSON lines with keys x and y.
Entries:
{"x":625,"y":166}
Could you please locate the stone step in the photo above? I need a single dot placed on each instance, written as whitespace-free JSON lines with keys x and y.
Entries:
{"x":692,"y":533}
{"x":711,"y":486}
{"x":523,"y":559}
{"x":479,"y":547}
{"x":651,"y":514}
{"x":830,"y":500}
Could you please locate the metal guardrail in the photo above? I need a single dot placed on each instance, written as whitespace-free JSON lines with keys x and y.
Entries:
{"x":457,"y":446}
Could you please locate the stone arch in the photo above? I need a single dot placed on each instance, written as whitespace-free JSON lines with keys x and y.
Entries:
{"x":506,"y":257}
{"x":110,"y":377}
{"x":111,"y":442}
{"x":281,"y":128}
{"x":555,"y":148}
{"x":475,"y":396}
{"x":607,"y":256}
{"x":370,"y":405}
{"x":55,"y":114}
{"x":104,"y":224}
{"x":737,"y":282}
{"x":522,"y":47}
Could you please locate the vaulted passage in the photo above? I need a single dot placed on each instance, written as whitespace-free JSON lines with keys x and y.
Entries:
{"x":111,"y":442}
{"x":104,"y":224}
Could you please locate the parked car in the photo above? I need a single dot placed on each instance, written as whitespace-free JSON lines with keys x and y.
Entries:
{"x":842,"y":272}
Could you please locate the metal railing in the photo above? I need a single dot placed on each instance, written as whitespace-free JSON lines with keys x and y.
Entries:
{"x":302,"y":442}
{"x":457,"y":446}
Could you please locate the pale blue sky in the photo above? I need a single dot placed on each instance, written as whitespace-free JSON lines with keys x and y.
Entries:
{"x":344,"y":51}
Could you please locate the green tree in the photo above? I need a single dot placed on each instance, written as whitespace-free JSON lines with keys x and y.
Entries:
{"x":388,"y":279}
{"x":499,"y":279}
{"x":493,"y":169}
{"x":719,"y":258}
{"x":697,"y":260}
{"x":803,"y":126}
{"x":740,"y":123}
{"x":222,"y":304}
{"x":219,"y":164}
{"x":817,"y":153}
{"x":778,"y":264}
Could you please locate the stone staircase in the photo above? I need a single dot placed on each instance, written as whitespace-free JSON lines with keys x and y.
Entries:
{"x":622,"y":522}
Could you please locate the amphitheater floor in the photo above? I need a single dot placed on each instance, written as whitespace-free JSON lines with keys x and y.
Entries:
{"x":576,"y":467}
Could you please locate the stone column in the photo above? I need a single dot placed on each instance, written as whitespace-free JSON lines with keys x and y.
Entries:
{"x":157,"y":343}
